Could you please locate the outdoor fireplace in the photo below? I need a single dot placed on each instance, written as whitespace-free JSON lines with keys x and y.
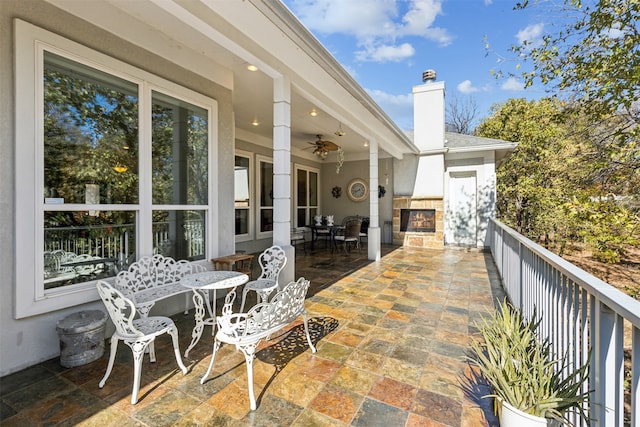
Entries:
{"x":418,"y":220}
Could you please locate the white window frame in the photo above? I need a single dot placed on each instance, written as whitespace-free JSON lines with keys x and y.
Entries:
{"x":294,"y":182}
{"x":30,"y":43}
{"x":252,"y":200}
{"x":259,"y":207}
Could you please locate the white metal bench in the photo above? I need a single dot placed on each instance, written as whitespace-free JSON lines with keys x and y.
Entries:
{"x":246,"y":330}
{"x":153,"y":278}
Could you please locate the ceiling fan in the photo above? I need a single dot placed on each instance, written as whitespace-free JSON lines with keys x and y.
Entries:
{"x":322,"y":148}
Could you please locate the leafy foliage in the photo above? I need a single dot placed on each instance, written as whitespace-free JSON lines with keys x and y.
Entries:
{"x":521,"y":368}
{"x":568,"y":181}
{"x":594,"y":57}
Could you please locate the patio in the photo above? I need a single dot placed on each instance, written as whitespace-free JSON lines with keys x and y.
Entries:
{"x":391,"y":342}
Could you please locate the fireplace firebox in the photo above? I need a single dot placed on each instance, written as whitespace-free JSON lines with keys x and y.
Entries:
{"x":418,"y":220}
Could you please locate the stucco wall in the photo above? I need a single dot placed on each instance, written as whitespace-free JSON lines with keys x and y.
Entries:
{"x":34,"y":339}
{"x":343,"y":206}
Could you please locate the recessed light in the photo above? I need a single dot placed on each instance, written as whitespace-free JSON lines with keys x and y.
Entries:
{"x":313,"y":112}
{"x":255,"y":122}
{"x":252,"y":67}
{"x":366,"y":143}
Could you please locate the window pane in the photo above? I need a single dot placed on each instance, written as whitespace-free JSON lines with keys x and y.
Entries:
{"x":266,"y":220}
{"x":313,"y":189}
{"x":90,"y":135}
{"x":180,"y":152}
{"x":242,"y":221}
{"x":302,"y":187}
{"x":302,"y":220}
{"x":241,"y":180}
{"x":87,"y":245}
{"x":312,"y":212}
{"x":179,"y":234}
{"x":266,"y":184}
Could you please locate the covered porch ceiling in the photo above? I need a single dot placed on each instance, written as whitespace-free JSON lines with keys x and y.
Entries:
{"x":218,"y":40}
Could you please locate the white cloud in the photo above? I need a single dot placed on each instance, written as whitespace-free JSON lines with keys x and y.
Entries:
{"x":488,"y":2}
{"x":530,"y":34}
{"x":398,"y":107}
{"x":512,"y":85}
{"x":386,"y":53}
{"x":377,"y":25}
{"x":467,"y":87}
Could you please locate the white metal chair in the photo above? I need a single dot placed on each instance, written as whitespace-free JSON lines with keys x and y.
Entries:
{"x":138,"y":334}
{"x":272,"y":261}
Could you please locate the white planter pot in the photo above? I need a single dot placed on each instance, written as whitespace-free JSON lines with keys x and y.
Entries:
{"x":512,"y":417}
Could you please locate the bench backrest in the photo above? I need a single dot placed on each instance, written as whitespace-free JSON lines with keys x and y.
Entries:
{"x":153,"y":271}
{"x":283,"y":308}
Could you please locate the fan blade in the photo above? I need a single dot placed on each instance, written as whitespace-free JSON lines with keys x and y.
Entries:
{"x":329,"y":146}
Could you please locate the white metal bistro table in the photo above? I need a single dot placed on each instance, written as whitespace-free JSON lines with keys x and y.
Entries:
{"x":202,"y":283}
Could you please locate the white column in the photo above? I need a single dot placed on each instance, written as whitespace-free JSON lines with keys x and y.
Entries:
{"x":282,"y":174}
{"x":373,"y":234}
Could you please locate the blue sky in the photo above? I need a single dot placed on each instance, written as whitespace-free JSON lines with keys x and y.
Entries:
{"x":387,"y":44}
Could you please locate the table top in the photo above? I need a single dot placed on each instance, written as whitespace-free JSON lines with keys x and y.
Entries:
{"x":232,"y":258}
{"x":214,"y":279}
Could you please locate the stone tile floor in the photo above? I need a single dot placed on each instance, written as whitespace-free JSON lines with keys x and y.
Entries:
{"x":391,"y":337}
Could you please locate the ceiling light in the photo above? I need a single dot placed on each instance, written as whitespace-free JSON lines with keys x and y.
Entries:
{"x":313,"y":112}
{"x":340,"y":132}
{"x":255,"y":122}
{"x":252,"y":67}
{"x":366,"y":143}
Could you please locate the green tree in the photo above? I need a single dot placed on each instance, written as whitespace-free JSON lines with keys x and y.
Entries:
{"x":558,"y":186}
{"x":593,"y":57}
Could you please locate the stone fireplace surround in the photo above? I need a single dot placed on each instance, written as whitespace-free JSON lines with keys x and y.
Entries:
{"x":433,"y":240}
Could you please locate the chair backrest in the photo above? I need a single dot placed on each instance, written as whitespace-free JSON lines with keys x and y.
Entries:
{"x":272,"y":261}
{"x":352,"y":229}
{"x":121,"y":310}
{"x":151,"y":271}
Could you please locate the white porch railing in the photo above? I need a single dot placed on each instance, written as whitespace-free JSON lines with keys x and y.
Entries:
{"x":580,"y":313}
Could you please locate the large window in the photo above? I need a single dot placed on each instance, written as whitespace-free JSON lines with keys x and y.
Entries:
{"x":112,"y":163}
{"x":242,"y":182}
{"x":306,"y":182}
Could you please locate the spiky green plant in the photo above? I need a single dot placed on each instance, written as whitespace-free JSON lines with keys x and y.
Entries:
{"x":521,"y":370}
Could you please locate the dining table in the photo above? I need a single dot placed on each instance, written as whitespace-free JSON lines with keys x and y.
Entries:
{"x":201,"y":283}
{"x":331,"y":230}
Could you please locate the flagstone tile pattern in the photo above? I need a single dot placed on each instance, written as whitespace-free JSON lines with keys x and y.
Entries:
{"x":392,"y":341}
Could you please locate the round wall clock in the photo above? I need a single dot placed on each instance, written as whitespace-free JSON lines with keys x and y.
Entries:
{"x":358,"y":190}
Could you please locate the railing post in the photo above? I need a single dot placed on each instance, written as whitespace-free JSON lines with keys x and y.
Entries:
{"x":635,"y":376}
{"x":608,"y":366}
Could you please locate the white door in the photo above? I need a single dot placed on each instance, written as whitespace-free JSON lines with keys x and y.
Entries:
{"x":462,"y":213}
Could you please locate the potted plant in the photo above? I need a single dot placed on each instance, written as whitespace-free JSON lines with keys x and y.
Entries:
{"x":527,"y":382}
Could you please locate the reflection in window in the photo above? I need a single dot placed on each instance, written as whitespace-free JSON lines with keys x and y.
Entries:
{"x":242,"y":194}
{"x":266,"y":196}
{"x":85,"y":245}
{"x":90,"y":135}
{"x":180,"y":151}
{"x":307,"y":195}
{"x":179,"y":234}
